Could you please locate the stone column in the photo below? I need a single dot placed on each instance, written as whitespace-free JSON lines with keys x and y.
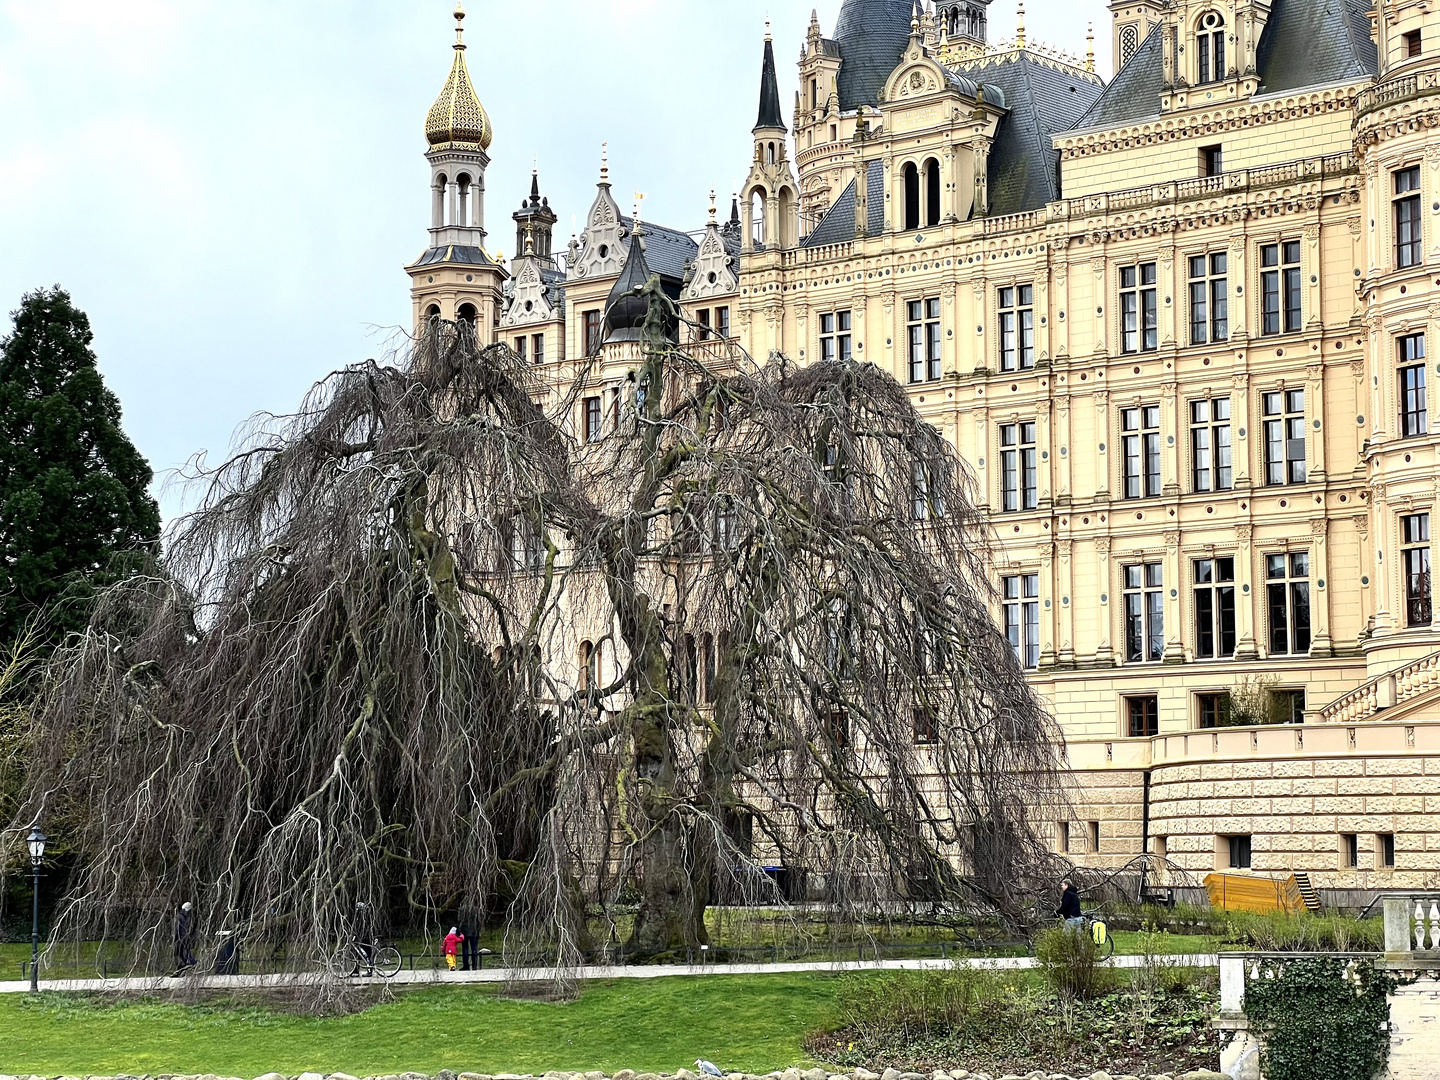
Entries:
{"x":1065,"y":656}
{"x":1104,"y":654}
{"x":1102,"y":455}
{"x":1047,"y":605}
{"x":1174,"y":630}
{"x":1170,"y":456}
{"x":1320,"y":640}
{"x":1245,"y":647}
{"x":1240,"y":431}
{"x":1385,"y":582}
{"x":1061,"y":463}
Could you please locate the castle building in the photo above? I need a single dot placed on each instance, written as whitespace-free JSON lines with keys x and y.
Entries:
{"x":1177,"y":325}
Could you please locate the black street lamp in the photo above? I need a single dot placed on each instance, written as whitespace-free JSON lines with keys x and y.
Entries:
{"x":36,"y":843}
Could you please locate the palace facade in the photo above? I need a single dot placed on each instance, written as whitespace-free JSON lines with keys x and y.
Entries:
{"x":1178,"y":324}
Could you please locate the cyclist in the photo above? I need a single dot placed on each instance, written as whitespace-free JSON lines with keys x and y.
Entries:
{"x":1070,"y":907}
{"x":362,"y":940}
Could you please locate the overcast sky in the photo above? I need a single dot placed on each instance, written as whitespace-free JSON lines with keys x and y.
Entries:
{"x":231,"y":189}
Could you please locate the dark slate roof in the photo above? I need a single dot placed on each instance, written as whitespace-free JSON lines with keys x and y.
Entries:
{"x":666,"y":250}
{"x":1305,"y":43}
{"x":1043,"y":100}
{"x":872,"y":35}
{"x":454,"y":253}
{"x":770,"y":116}
{"x":838,"y":224}
{"x":1309,"y":42}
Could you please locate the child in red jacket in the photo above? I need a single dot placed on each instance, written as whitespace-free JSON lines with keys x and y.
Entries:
{"x":452,"y":946}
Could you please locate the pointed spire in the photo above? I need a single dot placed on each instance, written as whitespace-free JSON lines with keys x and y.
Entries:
{"x":769,"y":117}
{"x":535,"y":186}
{"x":735,"y":209}
{"x":915,"y":19}
{"x":457,"y":117}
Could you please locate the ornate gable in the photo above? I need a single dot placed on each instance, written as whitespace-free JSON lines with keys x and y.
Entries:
{"x":715,"y":272}
{"x":531,"y":300}
{"x":602,"y":246}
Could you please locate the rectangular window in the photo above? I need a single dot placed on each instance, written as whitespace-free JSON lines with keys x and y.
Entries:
{"x":722,"y":322}
{"x":521,"y":348}
{"x":1144,"y":612}
{"x":1139,"y":326}
{"x":1280,"y":287}
{"x":1385,"y":851}
{"x":1210,"y":161}
{"x":1017,"y":327}
{"x":1410,"y":44}
{"x":1210,"y":64}
{"x":1022,"y":617}
{"x":592,"y":332}
{"x":592,"y":419}
{"x":1062,"y":836}
{"x":1092,"y":830}
{"x":1140,"y":446}
{"x":1415,"y":559}
{"x":1209,"y":298}
{"x":1239,"y":852}
{"x":926,"y":726}
{"x":1210,"y":462}
{"x":1019,"y":487}
{"x":922,"y":330}
{"x":1290,"y":706}
{"x":834,"y":335}
{"x":1410,"y":386}
{"x":1284,"y":436}
{"x":1287,"y":599}
{"x":1349,"y":850}
{"x":703,"y":318}
{"x":1215,"y":608}
{"x":1143,"y":716}
{"x":1214,"y":709}
{"x":537,"y":348}
{"x":920,"y":491}
{"x":1407,"y":217}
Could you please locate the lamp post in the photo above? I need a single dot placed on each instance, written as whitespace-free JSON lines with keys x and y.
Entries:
{"x":36,"y":843}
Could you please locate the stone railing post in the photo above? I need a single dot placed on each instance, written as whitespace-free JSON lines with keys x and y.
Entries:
{"x":1398,"y":943}
{"x":1232,"y":985}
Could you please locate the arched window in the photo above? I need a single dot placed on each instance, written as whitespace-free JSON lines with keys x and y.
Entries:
{"x":467,"y":316}
{"x":1210,"y":48}
{"x":785,"y":226}
{"x":911,"y":177}
{"x":437,"y":215}
{"x":932,"y":193}
{"x":770,"y":153}
{"x":757,"y":217}
{"x":1129,"y":42}
{"x":432,"y":313}
{"x":464,"y":212}
{"x":589,"y":660}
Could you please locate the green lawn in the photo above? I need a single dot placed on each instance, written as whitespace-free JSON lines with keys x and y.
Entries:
{"x":1127,"y":943}
{"x":753,"y":1024}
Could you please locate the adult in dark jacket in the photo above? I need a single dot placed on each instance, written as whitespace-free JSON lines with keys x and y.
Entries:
{"x":1070,"y":905}
{"x":185,"y":937}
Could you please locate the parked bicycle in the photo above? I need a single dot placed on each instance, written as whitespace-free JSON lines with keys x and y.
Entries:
{"x":352,"y":961}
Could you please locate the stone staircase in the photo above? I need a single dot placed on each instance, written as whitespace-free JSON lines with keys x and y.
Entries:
{"x":1385,"y":691}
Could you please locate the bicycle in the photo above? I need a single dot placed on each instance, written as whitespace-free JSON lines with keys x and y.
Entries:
{"x":353,"y":961}
{"x":1098,"y":931}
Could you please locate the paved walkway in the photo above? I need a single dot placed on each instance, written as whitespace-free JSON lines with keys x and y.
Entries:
{"x":495,"y":975}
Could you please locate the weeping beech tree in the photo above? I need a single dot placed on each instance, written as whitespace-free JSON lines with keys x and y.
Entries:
{"x":422,"y":648}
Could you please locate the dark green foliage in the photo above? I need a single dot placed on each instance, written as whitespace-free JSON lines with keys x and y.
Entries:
{"x":1010,"y":1022}
{"x":1316,"y":1024}
{"x":74,"y":499}
{"x":1070,"y":962}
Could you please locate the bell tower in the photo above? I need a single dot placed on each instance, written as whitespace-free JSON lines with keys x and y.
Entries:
{"x":455,"y":279}
{"x":771,"y":208}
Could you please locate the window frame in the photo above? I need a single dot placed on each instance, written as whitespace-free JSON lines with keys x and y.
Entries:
{"x":1140,"y":471}
{"x":592,"y":419}
{"x":1209,"y":293}
{"x":1411,"y":392}
{"x":1281,"y":299}
{"x":1241,"y":851}
{"x":1287,"y":593}
{"x":1220,"y":705}
{"x":1148,"y":715}
{"x":592,"y":326}
{"x":1210,"y":441}
{"x":1020,"y":614}
{"x":835,"y":334}
{"x":1284,"y":418}
{"x":922,"y":337}
{"x":1019,"y":467}
{"x":1417,"y":582}
{"x":1211,"y":595}
{"x":1144,"y":611}
{"x":1406,"y":217}
{"x":1210,"y":61}
{"x":1139,"y":313}
{"x":1015,"y":309}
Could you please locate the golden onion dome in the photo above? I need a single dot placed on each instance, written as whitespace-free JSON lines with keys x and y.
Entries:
{"x":457,"y":118}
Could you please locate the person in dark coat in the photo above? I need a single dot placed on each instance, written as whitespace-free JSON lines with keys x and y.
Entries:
{"x":185,"y":937}
{"x":1070,"y":906}
{"x":362,"y":939}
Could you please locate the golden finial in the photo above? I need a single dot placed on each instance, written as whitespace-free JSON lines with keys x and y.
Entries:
{"x":915,"y":18}
{"x":1090,"y":46}
{"x":1020,"y":28}
{"x":459,"y":24}
{"x":767,"y":27}
{"x":640,"y":197}
{"x":712,"y":206}
{"x":457,"y":118}
{"x":530,"y":238}
{"x":604,"y":163}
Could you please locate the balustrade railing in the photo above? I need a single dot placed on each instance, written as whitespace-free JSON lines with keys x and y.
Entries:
{"x":1412,"y":925}
{"x":1393,"y":90}
{"x":1385,"y":691}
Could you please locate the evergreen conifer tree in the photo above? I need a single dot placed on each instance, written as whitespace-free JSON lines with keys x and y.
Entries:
{"x":75,"y":509}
